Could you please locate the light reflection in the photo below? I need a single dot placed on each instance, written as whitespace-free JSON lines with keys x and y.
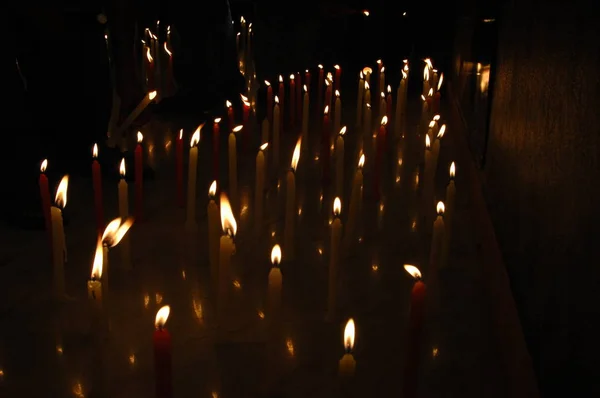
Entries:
{"x":290,"y":347}
{"x":183,"y":274}
{"x":375,"y":267}
{"x":158,"y":298}
{"x":59,"y":349}
{"x":78,"y":390}
{"x":434,"y":352}
{"x":198,"y":312}
{"x":261,"y":314}
{"x":413,"y":226}
{"x":146,"y":300}
{"x":132,"y":359}
{"x":237,"y":284}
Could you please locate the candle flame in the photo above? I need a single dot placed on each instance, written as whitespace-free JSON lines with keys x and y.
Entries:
{"x":367,"y":86}
{"x":280,"y":79}
{"x":217,"y":120}
{"x":98,"y":262}
{"x":427,"y":142}
{"x":305,"y":88}
{"x":292,"y":77}
{"x":368,"y":105}
{"x":383,"y":69}
{"x":378,"y":62}
{"x":440,"y":208}
{"x":343,"y":130}
{"x":329,"y":76}
{"x":404,"y":75}
{"x":337,"y":206}
{"x":115,"y":231}
{"x":432,"y":124}
{"x":360,"y":75}
{"x":405,"y":60}
{"x":237,"y":129}
{"x":180,"y":134}
{"x":161,"y":317}
{"x":389,"y":89}
{"x":140,"y":137}
{"x":440,"y":82}
{"x":212,"y":190}
{"x":428,"y":62}
{"x":452,"y":170}
{"x":44,"y":165}
{"x":327,"y":83}
{"x":196,"y":136}
{"x":267,"y":83}
{"x":430,"y":92}
{"x":436,"y":118}
{"x":336,"y":67}
{"x":227,"y":104}
{"x":337,"y":93}
{"x":367,"y":70}
{"x":366,"y":13}
{"x":244,"y":98}
{"x":264,"y":146}
{"x":228,"y":222}
{"x":382,"y":95}
{"x":61,"y":192}
{"x":442,"y":131}
{"x":167,"y":49}
{"x":425,"y":73}
{"x":148,"y":55}
{"x":326,"y":112}
{"x":361,"y":161}
{"x":320,"y":66}
{"x":276,"y":99}
{"x":276,"y":255}
{"x":423,"y":97}
{"x":152,"y":95}
{"x":384,"y":120}
{"x":95,"y":151}
{"x":349,"y":334}
{"x":413,"y":271}
{"x":242,"y":19}
{"x":122,"y":168}
{"x":296,"y":154}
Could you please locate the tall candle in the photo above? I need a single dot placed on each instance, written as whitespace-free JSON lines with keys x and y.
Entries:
{"x":425,"y":80}
{"x":382,"y":104}
{"x":281,"y":95}
{"x":325,"y":145}
{"x":328,"y":91}
{"x":436,"y":147}
{"x":449,"y":215}
{"x":274,"y":286}
{"x":45,"y":199}
{"x":382,"y":80}
{"x":298,"y":96}
{"x":276,"y":128}
{"x":136,"y":112}
{"x":59,"y":247}
{"x":437,"y":238}
{"x":400,"y":103}
{"x":389,"y":102}
{"x":290,"y":203}
{"x":216,"y":141}
{"x":367,"y":72}
{"x":437,"y":96}
{"x":379,"y":71}
{"x":355,"y":203}
{"x":229,"y":107}
{"x":424,"y":114}
{"x":179,"y":168}
{"x":367,"y":123}
{"x":265,"y":130}
{"x":334,"y":257}
{"x":97,"y":183}
{"x":260,"y":187}
{"x":246,"y":115}
{"x":338,"y":76}
{"x":124,"y":213}
{"x":427,"y":171}
{"x":94,"y":284}
{"x":292,"y":98}
{"x":381,"y":139}
{"x":269,"y":101}
{"x":149,"y":70}
{"x":226,"y":249}
{"x":305,"y":110}
{"x":214,"y":232}
{"x":139,"y":178}
{"x":169,"y":86}
{"x":190,"y":222}
{"x":359,"y":96}
{"x":233,"y":178}
{"x":347,"y":364}
{"x":320,"y":83}
{"x":307,"y":77}
{"x":415,"y":327}
{"x":339,"y":163}
{"x":337,"y":115}
{"x":161,"y":339}
{"x":114,"y":232}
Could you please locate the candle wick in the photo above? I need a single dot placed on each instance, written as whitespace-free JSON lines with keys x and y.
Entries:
{"x":348,"y":349}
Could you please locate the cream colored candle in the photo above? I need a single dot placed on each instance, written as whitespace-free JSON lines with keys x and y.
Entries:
{"x":449,"y":215}
{"x":276,"y":127}
{"x":274,"y":286}
{"x":355,"y":204}
{"x":337,"y":116}
{"x":94,"y":284}
{"x":214,"y":231}
{"x":426,"y":80}
{"x":436,"y":148}
{"x":339,"y":162}
{"x":233,"y":181}
{"x":290,"y":203}
{"x":437,"y":238}
{"x":426,"y":196}
{"x":347,"y":364}
{"x":367,"y":133}
{"x":382,"y":105}
{"x":136,"y":112}
{"x":367,"y":72}
{"x":382,"y":80}
{"x":334,"y":257}
{"x":305,"y":113}
{"x":260,"y":187}
{"x":226,"y":250}
{"x":59,"y":247}
{"x":359,"y":98}
{"x":190,"y":222}
{"x":124,"y":214}
{"x":400,"y":103}
{"x":114,"y":233}
{"x":367,"y":95}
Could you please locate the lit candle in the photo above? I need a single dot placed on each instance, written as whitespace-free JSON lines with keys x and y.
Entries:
{"x":328,"y":89}
{"x":449,"y":215}
{"x":389,"y":101}
{"x":136,"y":112}
{"x":382,"y":104}
{"x":320,"y":87}
{"x":113,"y":234}
{"x":437,"y":96}
{"x":265,"y":130}
{"x":216,"y":139}
{"x":269,"y":101}
{"x":325,"y":145}
{"x":305,"y":110}
{"x":59,"y":246}
{"x":338,"y":76}
{"x":415,"y":327}
{"x":379,"y":70}
{"x":381,"y":139}
{"x":307,"y":77}
{"x":334,"y":256}
{"x":149,"y":70}
{"x":425,"y":80}
{"x":437,"y":238}
{"x":339,"y":162}
{"x":382,"y":79}
{"x":427,"y":169}
{"x":347,"y":363}
{"x":226,"y":249}
{"x":214,"y":231}
{"x":124,"y":213}
{"x":355,"y":203}
{"x":233,"y":182}
{"x":436,"y":147}
{"x":169,"y":88}
{"x":434,"y":82}
{"x":179,"y":167}
{"x":229,"y":107}
{"x":45,"y":198}
{"x":359,"y":96}
{"x":424,"y":113}
{"x":337,"y":115}
{"x":276,"y":128}
{"x":94,"y":285}
{"x":260,"y":186}
{"x":139,"y":178}
{"x":246,"y":109}
{"x":190,"y":222}
{"x":290,"y":203}
{"x":298,"y":96}
{"x":400,"y":103}
{"x":274,"y":286}
{"x":292,"y":98}
{"x":430,"y":100}
{"x":163,"y":372}
{"x":97,"y":183}
{"x":281,"y":95}
{"x":367,"y":125}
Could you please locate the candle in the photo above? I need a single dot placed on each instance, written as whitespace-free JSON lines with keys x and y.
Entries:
{"x":226,"y":249}
{"x":367,"y":72}
{"x":334,"y":256}
{"x":281,"y":95}
{"x":149,"y":70}
{"x":436,"y":147}
{"x":427,"y":172}
{"x":94,"y":285}
{"x":216,"y":139}
{"x":139,"y":178}
{"x":97,"y":183}
{"x":113,"y":234}
{"x":400,"y":101}
{"x":214,"y":230}
{"x":59,"y":246}
{"x":45,"y":199}
{"x":265,"y":130}
{"x":367,"y":124}
{"x":424,"y":113}
{"x":359,"y":96}
{"x":382,"y":79}
{"x":337,"y":115}
{"x":449,"y":215}
{"x":355,"y":203}
{"x":292,"y":98}
{"x":305,"y":110}
{"x":379,"y":74}
{"x":338,"y":76}
{"x":246,"y":109}
{"x":233,"y":182}
{"x":190,"y":222}
{"x":339,"y":162}
{"x":425,"y":79}
{"x":307,"y":77}
{"x":136,"y":112}
{"x":124,"y":213}
{"x":269,"y":101}
{"x":274,"y":286}
{"x":415,"y":327}
{"x":437,"y":238}
{"x":382,"y":104}
{"x":162,"y":354}
{"x":320,"y":87}
{"x":430,"y":100}
{"x":389,"y":101}
{"x":169,"y":85}
{"x":290,"y":202}
{"x":347,"y":363}
{"x":328,"y":90}
{"x":229,"y":107}
{"x":179,"y":167}
{"x":381,"y":138}
{"x":325,"y":145}
{"x":437,"y":96}
{"x":260,"y":186}
{"x":299,"y":96}
{"x":276,"y":128}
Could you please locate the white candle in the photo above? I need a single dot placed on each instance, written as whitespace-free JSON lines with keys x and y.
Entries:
{"x":437,"y":238}
{"x":382,"y":80}
{"x":136,"y":112}
{"x":94,"y":285}
{"x":355,"y":203}
{"x":190,"y":223}
{"x":260,"y":187}
{"x":400,"y":103}
{"x":337,"y":116}
{"x":382,"y":105}
{"x":59,"y":247}
{"x":233,"y":182}
{"x":347,"y":364}
{"x":214,"y":231}
{"x":367,"y":72}
{"x":114,"y":232}
{"x":427,"y":171}
{"x":226,"y":250}
{"x":305,"y":113}
{"x":290,"y":203}
{"x":334,"y":256}
{"x":274,"y":286}
{"x":276,"y":127}
{"x":425,"y":79}
{"x":124,"y":213}
{"x":436,"y":148}
{"x":449,"y":215}
{"x":359,"y":98}
{"x":367,"y":133}
{"x":339,"y":162}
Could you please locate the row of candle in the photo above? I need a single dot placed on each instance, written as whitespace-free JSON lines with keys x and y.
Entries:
{"x":157,"y":62}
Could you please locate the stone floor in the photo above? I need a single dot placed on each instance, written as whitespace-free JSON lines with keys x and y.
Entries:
{"x":50,"y":349}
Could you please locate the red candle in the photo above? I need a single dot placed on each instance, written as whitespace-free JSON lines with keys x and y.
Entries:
{"x":281,"y":96}
{"x":338,"y":76}
{"x":327,"y":93}
{"x":292,"y":98}
{"x":436,"y":102}
{"x":381,"y":138}
{"x":162,"y":355}
{"x":179,"y":168}
{"x":269,"y":102}
{"x":149,"y":70}
{"x":216,"y":132}
{"x":169,"y":87}
{"x":307,"y":78}
{"x":389,"y":101}
{"x":320,"y":88}
{"x":139,"y":178}
{"x":415,"y":327}
{"x":97,"y":183}
{"x":325,"y":144}
{"x":429,"y":100}
{"x":45,"y":197}
{"x":299,"y":97}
